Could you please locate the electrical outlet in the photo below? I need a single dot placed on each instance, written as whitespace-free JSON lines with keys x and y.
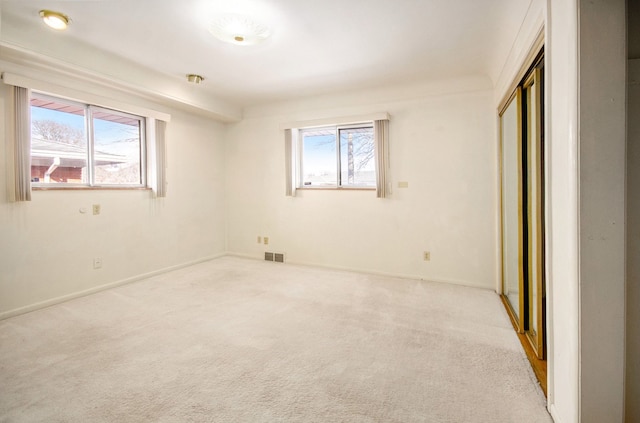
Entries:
{"x":97,"y":262}
{"x":259,"y":239}
{"x":426,"y":256}
{"x":96,"y":209}
{"x":266,"y":240}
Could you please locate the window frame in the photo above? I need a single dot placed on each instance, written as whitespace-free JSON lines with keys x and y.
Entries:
{"x":89,"y":110}
{"x":337,"y":128}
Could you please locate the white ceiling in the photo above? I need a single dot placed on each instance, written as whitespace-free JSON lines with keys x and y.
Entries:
{"x":317,"y":46}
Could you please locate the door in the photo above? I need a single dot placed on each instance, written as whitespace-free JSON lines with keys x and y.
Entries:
{"x":522,"y":206}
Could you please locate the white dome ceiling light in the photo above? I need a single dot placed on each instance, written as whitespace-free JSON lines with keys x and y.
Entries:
{"x":55,"y":20}
{"x":239,"y":30}
{"x":194,"y":79}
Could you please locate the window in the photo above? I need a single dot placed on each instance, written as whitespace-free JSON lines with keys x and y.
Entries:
{"x":75,"y":144}
{"x":338,"y":157}
{"x":338,"y":154}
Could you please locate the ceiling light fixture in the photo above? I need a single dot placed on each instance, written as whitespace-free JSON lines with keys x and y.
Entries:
{"x":239,"y":30}
{"x":195,"y":79}
{"x":55,"y":20}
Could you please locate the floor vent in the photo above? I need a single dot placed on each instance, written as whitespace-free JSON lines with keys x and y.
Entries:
{"x":277,"y":257}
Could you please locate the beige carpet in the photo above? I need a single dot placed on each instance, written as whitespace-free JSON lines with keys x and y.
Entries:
{"x":237,"y":340}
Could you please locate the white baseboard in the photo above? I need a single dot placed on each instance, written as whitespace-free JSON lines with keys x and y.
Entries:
{"x":553,"y":413}
{"x":63,"y":298}
{"x":367,"y":271}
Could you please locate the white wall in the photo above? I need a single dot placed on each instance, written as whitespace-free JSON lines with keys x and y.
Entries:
{"x":47,"y":246}
{"x":632,"y":379}
{"x":633,"y":243}
{"x":442,"y":142}
{"x":531,"y":26}
{"x":586,"y":139}
{"x":562,"y":141}
{"x":602,"y":144}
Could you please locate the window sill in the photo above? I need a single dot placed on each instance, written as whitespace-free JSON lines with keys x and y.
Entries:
{"x":335,"y":189}
{"x":90,"y":188}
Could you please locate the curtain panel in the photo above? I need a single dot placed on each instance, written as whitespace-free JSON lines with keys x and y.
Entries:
{"x":159,"y":167}
{"x":20,"y":144}
{"x":290,"y":162}
{"x":381,"y":134}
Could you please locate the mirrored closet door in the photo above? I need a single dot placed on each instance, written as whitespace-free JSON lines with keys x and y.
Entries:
{"x":522,"y":206}
{"x":512,"y":218}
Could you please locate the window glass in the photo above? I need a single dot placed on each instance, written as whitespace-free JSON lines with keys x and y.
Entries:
{"x":79,"y":144}
{"x":338,"y":157}
{"x":117,"y":148}
{"x":58,"y":142}
{"x":319,"y":158}
{"x":357,"y":151}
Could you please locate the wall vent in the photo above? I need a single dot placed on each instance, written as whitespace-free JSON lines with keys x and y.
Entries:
{"x":277,"y":257}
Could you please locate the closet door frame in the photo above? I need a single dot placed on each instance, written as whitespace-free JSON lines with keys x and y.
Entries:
{"x":527,"y":313}
{"x":518,"y":318}
{"x":535,"y":212}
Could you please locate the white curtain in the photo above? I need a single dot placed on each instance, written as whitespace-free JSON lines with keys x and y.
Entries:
{"x":381,"y":134}
{"x":290,"y":162}
{"x":21,"y":145}
{"x":159,"y":156}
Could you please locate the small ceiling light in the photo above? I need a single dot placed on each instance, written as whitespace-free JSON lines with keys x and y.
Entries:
{"x":195,"y":79}
{"x":239,"y":30}
{"x":55,"y":20}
